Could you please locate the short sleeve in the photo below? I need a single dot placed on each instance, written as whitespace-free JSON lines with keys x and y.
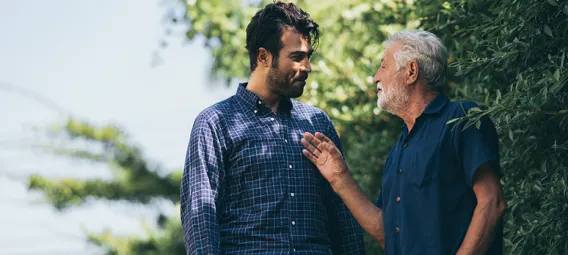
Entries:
{"x":379,"y":201}
{"x":477,"y":146}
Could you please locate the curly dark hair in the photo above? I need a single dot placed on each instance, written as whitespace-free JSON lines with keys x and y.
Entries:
{"x":267,"y":26}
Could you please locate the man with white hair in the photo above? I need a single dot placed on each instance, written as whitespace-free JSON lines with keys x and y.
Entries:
{"x":440,"y":191}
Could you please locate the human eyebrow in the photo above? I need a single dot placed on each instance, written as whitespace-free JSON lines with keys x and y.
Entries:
{"x":302,"y":53}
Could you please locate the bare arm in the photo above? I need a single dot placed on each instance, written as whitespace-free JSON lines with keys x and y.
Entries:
{"x":490,"y":207}
{"x":369,"y":216}
{"x":345,"y":233}
{"x":321,"y":151}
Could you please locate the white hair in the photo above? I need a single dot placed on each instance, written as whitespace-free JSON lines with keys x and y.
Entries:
{"x":427,"y":49}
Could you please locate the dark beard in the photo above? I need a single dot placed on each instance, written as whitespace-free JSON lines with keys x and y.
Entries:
{"x":280,"y":84}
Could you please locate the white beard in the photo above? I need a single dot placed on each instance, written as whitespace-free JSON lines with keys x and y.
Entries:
{"x":395,"y":100}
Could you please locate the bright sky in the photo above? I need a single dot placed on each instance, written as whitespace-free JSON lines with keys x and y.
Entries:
{"x":94,"y":59}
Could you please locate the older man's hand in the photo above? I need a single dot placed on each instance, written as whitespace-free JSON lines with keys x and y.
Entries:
{"x":321,"y":151}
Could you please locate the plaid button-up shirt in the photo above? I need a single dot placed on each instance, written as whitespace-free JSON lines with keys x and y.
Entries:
{"x":247,"y":188}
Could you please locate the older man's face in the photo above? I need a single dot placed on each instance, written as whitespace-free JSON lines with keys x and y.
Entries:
{"x":392,"y":92}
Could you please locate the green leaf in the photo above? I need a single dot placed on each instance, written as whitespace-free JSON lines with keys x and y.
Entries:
{"x":452,"y":121}
{"x":558,"y":86}
{"x":557,"y":74}
{"x":498,"y":97}
{"x":553,"y":2}
{"x":547,"y":30}
{"x":473,"y":110}
{"x":498,"y":54}
{"x":478,"y":124}
{"x":565,"y":9}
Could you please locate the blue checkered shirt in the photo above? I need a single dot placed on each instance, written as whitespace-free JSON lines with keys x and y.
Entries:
{"x":248,"y":189}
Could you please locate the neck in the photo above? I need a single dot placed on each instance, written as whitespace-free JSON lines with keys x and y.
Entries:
{"x":257,"y":85}
{"x":417,"y":102}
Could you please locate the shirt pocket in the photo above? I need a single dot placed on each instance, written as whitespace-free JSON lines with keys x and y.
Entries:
{"x":421,"y":167}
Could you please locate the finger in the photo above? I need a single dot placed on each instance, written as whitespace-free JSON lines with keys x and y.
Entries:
{"x":332,"y":150}
{"x":312,"y":149}
{"x":330,"y":144}
{"x":324,"y":138}
{"x":310,"y":156}
{"x":313,"y":140}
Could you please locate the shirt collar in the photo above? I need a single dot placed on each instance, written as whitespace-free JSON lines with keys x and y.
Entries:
{"x":435,"y":106}
{"x":251,"y":100}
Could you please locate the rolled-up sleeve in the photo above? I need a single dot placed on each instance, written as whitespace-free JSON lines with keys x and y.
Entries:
{"x":345,"y":233}
{"x":201,"y":187}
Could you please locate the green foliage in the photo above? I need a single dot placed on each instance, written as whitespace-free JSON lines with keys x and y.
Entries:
{"x":507,"y":55}
{"x":168,"y":241}
{"x":510,"y":56}
{"x":132,"y":173}
{"x":134,"y":181}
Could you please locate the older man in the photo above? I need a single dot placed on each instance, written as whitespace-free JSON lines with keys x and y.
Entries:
{"x":440,"y":190}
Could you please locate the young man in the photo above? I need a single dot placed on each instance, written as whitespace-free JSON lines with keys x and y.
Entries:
{"x":246,"y":188}
{"x":440,"y":191}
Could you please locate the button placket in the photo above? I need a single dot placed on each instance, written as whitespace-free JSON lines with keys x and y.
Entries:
{"x":282,"y":131}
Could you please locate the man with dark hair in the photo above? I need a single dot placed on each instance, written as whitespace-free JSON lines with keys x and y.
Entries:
{"x":246,"y":187}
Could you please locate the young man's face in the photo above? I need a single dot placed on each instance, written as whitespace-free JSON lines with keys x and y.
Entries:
{"x":287,"y":77}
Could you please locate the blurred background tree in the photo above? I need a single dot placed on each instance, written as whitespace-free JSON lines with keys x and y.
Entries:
{"x":507,"y":55}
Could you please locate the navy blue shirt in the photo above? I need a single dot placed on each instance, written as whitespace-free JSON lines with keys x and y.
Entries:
{"x":426,"y":195}
{"x":248,"y":189}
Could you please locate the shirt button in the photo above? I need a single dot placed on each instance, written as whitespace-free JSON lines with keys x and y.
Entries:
{"x":285,"y":140}
{"x":294,"y":223}
{"x":400,"y":170}
{"x":398,"y":199}
{"x":291,"y":194}
{"x":294,"y":250}
{"x":405,"y":145}
{"x":259,"y":102}
{"x":396,"y":229}
{"x":290,"y":166}
{"x":271,"y":118}
{"x":255,"y":111}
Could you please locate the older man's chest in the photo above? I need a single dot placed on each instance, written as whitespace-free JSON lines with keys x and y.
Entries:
{"x":422,"y":169}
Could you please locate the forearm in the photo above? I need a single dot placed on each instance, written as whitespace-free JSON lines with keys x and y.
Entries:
{"x":345,"y":233}
{"x":480,"y":233}
{"x":368,"y":215}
